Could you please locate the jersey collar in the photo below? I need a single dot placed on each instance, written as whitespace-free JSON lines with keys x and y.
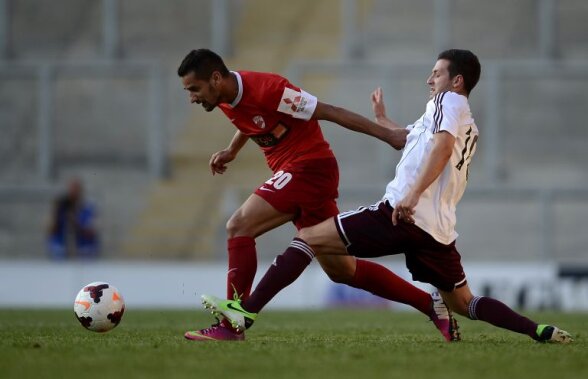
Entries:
{"x":240,"y":93}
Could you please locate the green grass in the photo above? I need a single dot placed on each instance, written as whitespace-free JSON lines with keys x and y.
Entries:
{"x":318,"y":344}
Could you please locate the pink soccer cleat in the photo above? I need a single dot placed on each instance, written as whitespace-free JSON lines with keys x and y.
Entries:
{"x":443,"y":319}
{"x":216,"y":332}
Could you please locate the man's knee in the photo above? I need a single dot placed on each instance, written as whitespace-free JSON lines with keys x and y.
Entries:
{"x":306,"y":235}
{"x":342,"y":275}
{"x":322,"y":239}
{"x":338,"y":269}
{"x":309,"y":237}
{"x":233,"y":226}
{"x":238,"y":225}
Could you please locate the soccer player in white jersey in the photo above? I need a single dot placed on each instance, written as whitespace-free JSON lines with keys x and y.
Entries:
{"x":416,"y":217}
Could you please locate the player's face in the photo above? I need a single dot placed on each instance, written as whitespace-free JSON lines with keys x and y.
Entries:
{"x":439,"y":80}
{"x":204,"y":92}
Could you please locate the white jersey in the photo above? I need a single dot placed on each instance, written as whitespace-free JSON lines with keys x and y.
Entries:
{"x":435,"y":211}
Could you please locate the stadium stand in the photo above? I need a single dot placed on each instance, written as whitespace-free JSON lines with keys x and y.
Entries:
{"x":100,"y":122}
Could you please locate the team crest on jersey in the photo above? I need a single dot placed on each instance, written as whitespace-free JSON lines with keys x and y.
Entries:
{"x":259,"y":121}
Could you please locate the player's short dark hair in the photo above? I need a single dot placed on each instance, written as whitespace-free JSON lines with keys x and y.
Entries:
{"x":202,"y":63}
{"x":464,"y":63}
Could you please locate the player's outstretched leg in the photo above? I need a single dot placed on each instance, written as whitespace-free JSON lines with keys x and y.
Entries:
{"x":499,"y":314}
{"x":552,"y":334}
{"x":443,"y":319}
{"x":217,"y":332}
{"x":231,"y":310}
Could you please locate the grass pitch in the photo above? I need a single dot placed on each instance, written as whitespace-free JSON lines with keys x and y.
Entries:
{"x":359,"y":344}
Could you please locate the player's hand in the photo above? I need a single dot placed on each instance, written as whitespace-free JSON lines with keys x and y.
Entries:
{"x":378,"y":103}
{"x":218,"y":161}
{"x":404,"y":209}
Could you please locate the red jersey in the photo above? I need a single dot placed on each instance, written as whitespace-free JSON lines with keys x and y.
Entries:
{"x":277,"y":116}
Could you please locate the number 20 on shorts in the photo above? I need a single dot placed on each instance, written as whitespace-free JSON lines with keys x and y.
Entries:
{"x":279,"y":179}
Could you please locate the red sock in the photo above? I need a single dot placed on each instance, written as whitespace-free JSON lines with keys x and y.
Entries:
{"x":382,"y":282}
{"x":242,"y":266}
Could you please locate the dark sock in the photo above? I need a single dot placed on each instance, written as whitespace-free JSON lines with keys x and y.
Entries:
{"x":242,"y":266}
{"x":286,"y":268}
{"x":498,"y":314}
{"x":382,"y":282}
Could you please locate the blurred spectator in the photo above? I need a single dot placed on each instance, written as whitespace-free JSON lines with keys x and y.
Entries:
{"x":72,"y":232}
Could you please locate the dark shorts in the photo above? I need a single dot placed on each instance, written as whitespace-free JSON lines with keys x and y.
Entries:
{"x":369,"y":232}
{"x":307,"y":189}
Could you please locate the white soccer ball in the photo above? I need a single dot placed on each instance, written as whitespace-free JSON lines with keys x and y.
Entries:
{"x":99,"y":307}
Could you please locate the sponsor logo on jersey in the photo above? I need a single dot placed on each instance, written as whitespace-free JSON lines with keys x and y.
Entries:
{"x":292,"y":102}
{"x":259,"y":121}
{"x":272,"y":138}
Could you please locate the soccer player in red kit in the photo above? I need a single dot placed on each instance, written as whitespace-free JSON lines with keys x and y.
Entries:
{"x":283,"y":120}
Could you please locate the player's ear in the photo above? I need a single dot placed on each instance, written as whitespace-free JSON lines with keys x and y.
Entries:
{"x":216,"y":78}
{"x":457,"y":81}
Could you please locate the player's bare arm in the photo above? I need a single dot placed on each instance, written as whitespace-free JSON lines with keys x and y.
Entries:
{"x":218,"y":161}
{"x":395,"y":137}
{"x":434,"y":165}
{"x":379,"y":110}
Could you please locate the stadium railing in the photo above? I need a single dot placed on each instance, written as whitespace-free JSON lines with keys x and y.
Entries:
{"x":46,"y":75}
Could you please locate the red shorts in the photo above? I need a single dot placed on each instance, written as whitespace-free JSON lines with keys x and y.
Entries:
{"x":369,"y":232}
{"x":307,"y":189}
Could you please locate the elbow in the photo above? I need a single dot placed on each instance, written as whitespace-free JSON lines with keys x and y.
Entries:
{"x":399,"y":146}
{"x":399,"y":140}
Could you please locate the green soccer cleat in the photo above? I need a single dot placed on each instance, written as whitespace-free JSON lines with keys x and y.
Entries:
{"x":231,"y":310}
{"x":552,"y":334}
